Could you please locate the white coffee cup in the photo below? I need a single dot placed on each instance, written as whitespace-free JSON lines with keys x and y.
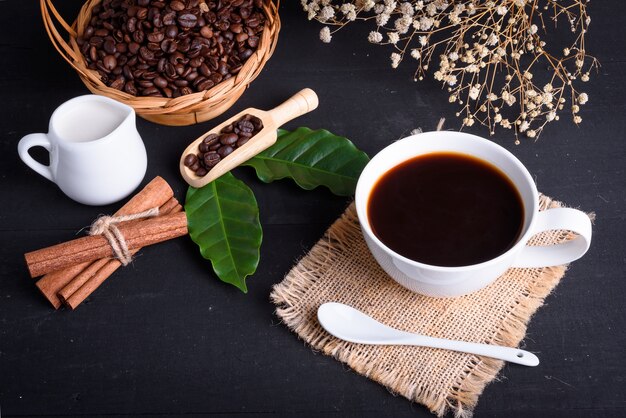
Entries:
{"x":438,"y":281}
{"x":96,"y":154}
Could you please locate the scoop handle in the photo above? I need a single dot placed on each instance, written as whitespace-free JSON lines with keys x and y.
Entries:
{"x":300,"y":103}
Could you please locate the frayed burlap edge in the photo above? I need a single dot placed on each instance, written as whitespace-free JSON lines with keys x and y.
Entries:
{"x":463,"y":397}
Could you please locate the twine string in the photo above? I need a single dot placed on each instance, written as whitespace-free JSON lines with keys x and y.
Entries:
{"x":107,"y":226}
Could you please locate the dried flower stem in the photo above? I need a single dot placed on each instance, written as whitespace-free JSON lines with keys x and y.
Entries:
{"x":488,"y":52}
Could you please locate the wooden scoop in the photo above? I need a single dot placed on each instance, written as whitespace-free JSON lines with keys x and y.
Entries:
{"x":300,"y":103}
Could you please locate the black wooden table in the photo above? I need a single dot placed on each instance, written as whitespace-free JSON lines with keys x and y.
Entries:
{"x":164,"y":337}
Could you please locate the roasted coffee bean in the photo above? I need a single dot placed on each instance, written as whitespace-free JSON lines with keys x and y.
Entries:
{"x":170,"y":70}
{"x":118,"y":83}
{"x":177,"y":5}
{"x":96,"y":41}
{"x":205,"y":85}
{"x":215,"y":147}
{"x":190,"y":160}
{"x":253,"y":22}
{"x":211,"y":159}
{"x":245,"y":125}
{"x":211,"y":139}
{"x":160,"y":82}
{"x":168,"y":46}
{"x":245,"y":12}
{"x":257,"y":122}
{"x":242,"y":141}
{"x":138,"y":73}
{"x":145,"y":83}
{"x":102,"y":32}
{"x":206,"y":32}
{"x":171,"y":31}
{"x":93,"y":53}
{"x":89,"y":30}
{"x":131,"y":24}
{"x":127,"y":72}
{"x":253,"y":41}
{"x":121,"y":61}
{"x":204,"y":70}
{"x":184,"y":45}
{"x":245,"y":54}
{"x":203,"y":147}
{"x":146,"y":54}
{"x":109,"y":62}
{"x":225,"y":151}
{"x":161,"y":65}
{"x":151,"y":91}
{"x":139,"y":36}
{"x":109,"y":46}
{"x":201,"y":172}
{"x":187,"y":20}
{"x":130,"y":88}
{"x":169,"y":18}
{"x":228,"y":138}
{"x":196,"y":62}
{"x":156,"y":36}
{"x":222,"y":69}
{"x":142,"y":13}
{"x":133,"y":47}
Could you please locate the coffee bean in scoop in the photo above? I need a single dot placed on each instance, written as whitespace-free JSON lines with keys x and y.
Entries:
{"x":215,"y":147}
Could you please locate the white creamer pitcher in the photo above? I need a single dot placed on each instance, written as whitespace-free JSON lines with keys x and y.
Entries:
{"x":96,"y":154}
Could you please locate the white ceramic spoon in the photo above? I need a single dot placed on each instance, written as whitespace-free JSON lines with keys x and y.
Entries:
{"x":347,"y":323}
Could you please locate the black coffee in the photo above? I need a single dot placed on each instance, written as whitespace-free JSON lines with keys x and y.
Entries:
{"x":446,"y":209}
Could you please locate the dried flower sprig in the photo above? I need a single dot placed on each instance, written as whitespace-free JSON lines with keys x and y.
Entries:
{"x":491,"y":57}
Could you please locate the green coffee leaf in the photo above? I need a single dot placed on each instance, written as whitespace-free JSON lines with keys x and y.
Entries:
{"x":223,"y":219}
{"x":312,"y":159}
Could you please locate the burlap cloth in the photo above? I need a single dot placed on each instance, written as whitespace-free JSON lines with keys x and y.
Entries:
{"x":340,"y":268}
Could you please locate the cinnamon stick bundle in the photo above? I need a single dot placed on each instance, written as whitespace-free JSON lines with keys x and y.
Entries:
{"x":77,"y":279}
{"x":137,"y":235}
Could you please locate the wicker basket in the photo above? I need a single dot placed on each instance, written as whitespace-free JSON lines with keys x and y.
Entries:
{"x":183,"y":110}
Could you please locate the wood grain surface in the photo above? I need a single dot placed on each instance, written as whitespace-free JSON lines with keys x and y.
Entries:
{"x":163,"y":337}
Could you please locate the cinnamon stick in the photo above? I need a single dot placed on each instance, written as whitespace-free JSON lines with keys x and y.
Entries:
{"x":154,"y":194}
{"x":137,"y":235}
{"x":85,"y":283}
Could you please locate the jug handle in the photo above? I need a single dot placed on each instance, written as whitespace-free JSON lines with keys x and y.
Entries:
{"x":34,"y":140}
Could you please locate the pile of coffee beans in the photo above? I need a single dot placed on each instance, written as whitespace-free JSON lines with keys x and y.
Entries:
{"x":217,"y":146}
{"x":170,"y":48}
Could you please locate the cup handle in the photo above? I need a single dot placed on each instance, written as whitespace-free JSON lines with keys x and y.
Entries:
{"x":554,"y":255}
{"x":34,"y":140}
